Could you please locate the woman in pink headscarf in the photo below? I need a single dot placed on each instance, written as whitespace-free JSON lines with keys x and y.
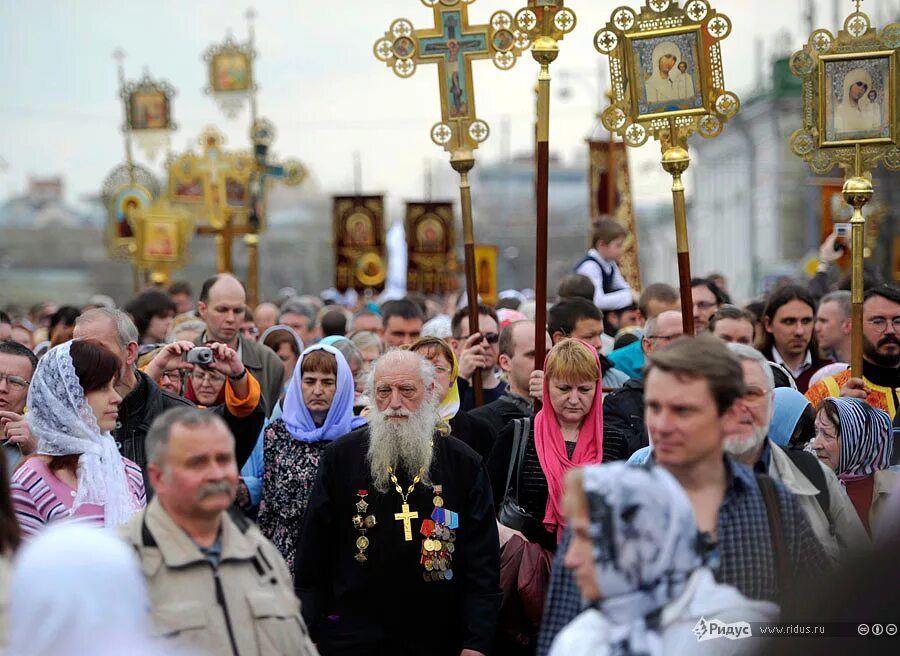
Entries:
{"x":566,"y":433}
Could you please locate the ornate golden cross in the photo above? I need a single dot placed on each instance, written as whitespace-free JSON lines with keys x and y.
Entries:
{"x":453,"y":43}
{"x":406,"y":516}
{"x":212,"y":170}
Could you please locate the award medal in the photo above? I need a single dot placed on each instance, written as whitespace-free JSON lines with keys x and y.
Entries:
{"x":362,"y":523}
{"x":438,"y":543}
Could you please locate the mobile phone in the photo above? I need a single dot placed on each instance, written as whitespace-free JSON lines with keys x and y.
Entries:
{"x":842,"y":230}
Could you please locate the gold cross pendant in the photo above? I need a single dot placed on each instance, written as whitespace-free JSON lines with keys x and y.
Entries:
{"x":405,"y":517}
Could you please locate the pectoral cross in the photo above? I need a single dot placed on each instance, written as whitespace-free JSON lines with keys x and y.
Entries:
{"x":406,"y":516}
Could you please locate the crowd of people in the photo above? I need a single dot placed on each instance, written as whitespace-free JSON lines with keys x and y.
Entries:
{"x":190,"y":475}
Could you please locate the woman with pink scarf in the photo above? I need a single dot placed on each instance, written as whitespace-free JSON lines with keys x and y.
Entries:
{"x":566,"y":433}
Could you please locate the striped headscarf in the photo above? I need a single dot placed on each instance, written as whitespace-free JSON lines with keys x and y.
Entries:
{"x":865,"y":438}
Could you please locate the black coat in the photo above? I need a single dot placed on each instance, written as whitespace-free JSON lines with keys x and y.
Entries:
{"x":384,"y":605}
{"x":624,"y":431}
{"x":474,"y":432}
{"x":499,"y":413}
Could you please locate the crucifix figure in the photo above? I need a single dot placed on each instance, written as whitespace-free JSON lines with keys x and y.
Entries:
{"x":452,"y":43}
{"x":406,"y":517}
{"x":206,"y":179}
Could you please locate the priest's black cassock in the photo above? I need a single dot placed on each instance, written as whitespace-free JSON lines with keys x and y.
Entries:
{"x":385,"y":605}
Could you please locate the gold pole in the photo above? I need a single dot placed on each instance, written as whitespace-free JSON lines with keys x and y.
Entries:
{"x":675,"y":161}
{"x":857,"y":191}
{"x":252,"y":242}
{"x":462,"y":160}
{"x":223,"y":246}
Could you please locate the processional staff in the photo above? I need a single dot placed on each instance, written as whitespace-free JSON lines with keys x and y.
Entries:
{"x":650,"y":99}
{"x":453,"y":43}
{"x":842,"y":127}
{"x":543,"y":23}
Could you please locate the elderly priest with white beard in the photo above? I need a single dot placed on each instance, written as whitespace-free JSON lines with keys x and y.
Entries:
{"x":399,"y":551}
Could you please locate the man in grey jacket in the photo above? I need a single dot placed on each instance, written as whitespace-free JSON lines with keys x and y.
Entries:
{"x":216,"y":584}
{"x":221,"y":306}
{"x":819,"y":493}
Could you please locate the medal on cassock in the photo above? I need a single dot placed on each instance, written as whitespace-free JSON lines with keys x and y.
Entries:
{"x":438,"y":543}
{"x":362,"y":524}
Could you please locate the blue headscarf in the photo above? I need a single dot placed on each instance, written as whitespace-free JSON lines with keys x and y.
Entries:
{"x":789,"y":405}
{"x":339,"y":420}
{"x":331,"y":339}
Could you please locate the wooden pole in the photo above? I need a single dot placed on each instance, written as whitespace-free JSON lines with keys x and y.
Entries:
{"x":462,"y":162}
{"x":675,"y":161}
{"x":544,"y":52}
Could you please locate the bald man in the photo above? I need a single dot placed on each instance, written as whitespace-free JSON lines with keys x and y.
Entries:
{"x":221,"y":306}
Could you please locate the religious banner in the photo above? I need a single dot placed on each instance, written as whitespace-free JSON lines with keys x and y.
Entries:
{"x":431,"y":243}
{"x":126,"y":190}
{"x":851,"y":120}
{"x":162,"y":233}
{"x":359,"y":243}
{"x":486,"y":272}
{"x":610,"y":196}
{"x":667,"y":83}
{"x":148,"y":113}
{"x":231,"y":80}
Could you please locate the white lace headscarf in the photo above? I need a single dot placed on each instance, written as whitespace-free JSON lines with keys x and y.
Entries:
{"x":64,"y":424}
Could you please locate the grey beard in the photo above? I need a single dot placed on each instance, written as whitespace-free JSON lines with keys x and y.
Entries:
{"x":740,"y":448}
{"x":407,"y":447}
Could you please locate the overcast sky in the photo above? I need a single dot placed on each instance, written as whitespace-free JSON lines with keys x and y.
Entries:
{"x":319,"y":83}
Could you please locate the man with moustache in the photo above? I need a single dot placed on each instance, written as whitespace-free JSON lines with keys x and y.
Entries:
{"x":216,"y":584}
{"x":818,"y":491}
{"x":399,"y":552}
{"x":880,"y":384}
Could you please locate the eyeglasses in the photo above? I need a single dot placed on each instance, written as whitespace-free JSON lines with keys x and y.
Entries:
{"x":490,"y":338}
{"x":880,"y":324}
{"x":173,"y":374}
{"x":198,"y":375}
{"x":15,"y":382}
{"x":704,"y":305}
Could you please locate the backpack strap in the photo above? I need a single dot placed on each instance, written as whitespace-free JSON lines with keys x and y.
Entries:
{"x":776,"y":528}
{"x":809,"y":466}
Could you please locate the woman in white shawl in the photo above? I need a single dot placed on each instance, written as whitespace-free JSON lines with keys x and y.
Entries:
{"x":853,"y":114}
{"x":78,"y":472}
{"x":638,"y":559}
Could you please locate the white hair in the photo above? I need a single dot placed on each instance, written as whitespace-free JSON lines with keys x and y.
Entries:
{"x":744,"y":352}
{"x":393,"y":358}
{"x":126,"y":331}
{"x":405,"y":447}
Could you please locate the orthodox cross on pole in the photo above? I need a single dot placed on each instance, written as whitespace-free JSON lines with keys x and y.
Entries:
{"x":453,"y":44}
{"x":291,"y":173}
{"x":195,"y":178}
{"x":544,"y":23}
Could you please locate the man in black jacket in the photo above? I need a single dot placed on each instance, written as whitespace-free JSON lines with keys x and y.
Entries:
{"x":516,"y":359}
{"x":624,"y":431}
{"x":142,"y":399}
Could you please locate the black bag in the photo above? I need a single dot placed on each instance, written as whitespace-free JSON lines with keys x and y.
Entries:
{"x":511,"y":514}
